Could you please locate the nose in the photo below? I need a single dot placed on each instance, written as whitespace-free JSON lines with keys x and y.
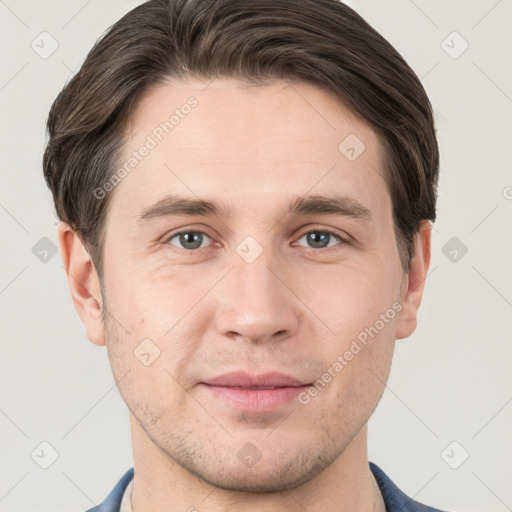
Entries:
{"x":255,"y":302}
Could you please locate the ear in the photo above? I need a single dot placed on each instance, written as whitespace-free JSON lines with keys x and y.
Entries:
{"x":83,"y":283}
{"x":414,"y":282}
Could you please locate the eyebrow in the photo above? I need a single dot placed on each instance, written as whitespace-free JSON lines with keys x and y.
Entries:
{"x":173,"y":205}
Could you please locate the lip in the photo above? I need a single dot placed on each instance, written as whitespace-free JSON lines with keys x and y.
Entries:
{"x":236,"y":390}
{"x":245,"y":380}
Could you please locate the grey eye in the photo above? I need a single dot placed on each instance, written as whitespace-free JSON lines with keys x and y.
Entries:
{"x":189,"y":239}
{"x":319,"y":239}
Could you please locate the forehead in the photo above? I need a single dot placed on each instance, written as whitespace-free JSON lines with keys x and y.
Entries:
{"x":248,"y":146}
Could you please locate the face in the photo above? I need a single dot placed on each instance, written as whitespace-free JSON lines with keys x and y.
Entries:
{"x":293,"y":268}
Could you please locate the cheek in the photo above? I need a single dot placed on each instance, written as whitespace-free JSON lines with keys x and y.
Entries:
{"x":151,"y":303}
{"x":359,"y":364}
{"x":361,"y":308}
{"x":148,"y":370}
{"x":154,"y":328}
{"x":150,"y":391}
{"x":351,"y":298}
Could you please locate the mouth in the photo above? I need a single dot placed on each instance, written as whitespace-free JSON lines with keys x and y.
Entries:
{"x":254,"y":393}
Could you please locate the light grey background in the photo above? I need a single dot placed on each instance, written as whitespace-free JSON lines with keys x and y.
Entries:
{"x":449,"y":382}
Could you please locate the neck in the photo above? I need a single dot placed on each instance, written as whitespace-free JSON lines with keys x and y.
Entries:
{"x":161,"y":485}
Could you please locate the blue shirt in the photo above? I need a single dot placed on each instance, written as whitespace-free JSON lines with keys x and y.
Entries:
{"x":394,"y":499}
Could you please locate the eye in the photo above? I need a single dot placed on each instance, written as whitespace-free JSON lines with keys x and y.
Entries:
{"x":320,"y":239}
{"x":188,"y":240}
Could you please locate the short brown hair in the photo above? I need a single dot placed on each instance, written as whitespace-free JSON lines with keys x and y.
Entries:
{"x":323,"y":42}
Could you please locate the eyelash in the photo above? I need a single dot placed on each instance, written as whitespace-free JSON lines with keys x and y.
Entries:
{"x":309,"y":250}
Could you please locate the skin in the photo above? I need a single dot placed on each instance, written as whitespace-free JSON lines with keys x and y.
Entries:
{"x":293,"y":310}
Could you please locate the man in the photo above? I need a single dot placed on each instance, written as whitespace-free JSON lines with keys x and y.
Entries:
{"x":246,"y":192}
